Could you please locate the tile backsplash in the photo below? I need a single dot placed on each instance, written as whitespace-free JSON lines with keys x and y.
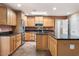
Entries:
{"x":5,"y":28}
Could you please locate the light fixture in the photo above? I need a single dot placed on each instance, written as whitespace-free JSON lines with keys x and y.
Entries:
{"x":54,"y":8}
{"x":38,"y":13}
{"x":19,"y":5}
{"x":68,"y":13}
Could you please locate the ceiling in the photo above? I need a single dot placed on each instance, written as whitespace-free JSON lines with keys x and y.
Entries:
{"x":62,"y":9}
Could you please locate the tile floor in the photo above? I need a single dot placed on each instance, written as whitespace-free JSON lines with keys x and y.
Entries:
{"x":29,"y":49}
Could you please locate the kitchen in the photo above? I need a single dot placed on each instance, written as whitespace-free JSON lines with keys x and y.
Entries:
{"x":27,"y":30}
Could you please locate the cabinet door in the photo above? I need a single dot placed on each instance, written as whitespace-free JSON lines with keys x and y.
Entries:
{"x":48,"y":42}
{"x":49,"y":21}
{"x":38,"y":19}
{"x":45,"y":42}
{"x":14,"y":42}
{"x":30,"y":21}
{"x":18,"y":39}
{"x":32,"y":36}
{"x":27,"y":36}
{"x":11,"y":17}
{"x":3,"y":15}
{"x":5,"y":46}
{"x":11,"y":45}
{"x":39,"y":42}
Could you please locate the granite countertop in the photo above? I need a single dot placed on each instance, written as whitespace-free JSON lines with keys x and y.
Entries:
{"x":41,"y":33}
{"x":7,"y":34}
{"x":52,"y":35}
{"x":63,"y":38}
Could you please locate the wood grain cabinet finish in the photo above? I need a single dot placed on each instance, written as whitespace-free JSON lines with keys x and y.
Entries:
{"x":30,"y":36}
{"x":30,"y":21}
{"x":52,"y":45}
{"x":48,"y":21}
{"x":12,"y":43}
{"x":3,"y":15}
{"x":7,"y":16}
{"x":65,"y":50}
{"x":27,"y":36}
{"x":41,"y":42}
{"x":38,"y":19}
{"x":63,"y":47}
{"x":8,"y":44}
{"x":18,"y":40}
{"x":5,"y":45}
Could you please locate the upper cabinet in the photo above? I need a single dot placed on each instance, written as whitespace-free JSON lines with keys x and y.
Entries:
{"x":49,"y":21}
{"x":11,"y":17}
{"x":30,"y":21}
{"x":7,"y":16}
{"x":38,"y":19}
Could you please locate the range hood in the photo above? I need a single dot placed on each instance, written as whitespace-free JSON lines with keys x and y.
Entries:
{"x":39,"y":24}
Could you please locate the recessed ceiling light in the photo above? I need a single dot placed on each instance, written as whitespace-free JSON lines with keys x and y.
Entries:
{"x":54,"y":8}
{"x":68,"y":13}
{"x":19,"y":5}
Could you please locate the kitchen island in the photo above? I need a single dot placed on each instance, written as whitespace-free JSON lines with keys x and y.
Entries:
{"x":58,"y":47}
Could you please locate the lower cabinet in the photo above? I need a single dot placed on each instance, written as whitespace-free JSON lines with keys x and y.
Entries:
{"x":41,"y":42}
{"x":18,"y":40}
{"x":12,"y":43}
{"x":8,"y":44}
{"x":30,"y":36}
{"x":52,"y":45}
{"x":5,"y":45}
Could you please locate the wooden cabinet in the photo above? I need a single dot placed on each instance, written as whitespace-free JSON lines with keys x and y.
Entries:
{"x":5,"y":45}
{"x":30,"y":21}
{"x":18,"y":40}
{"x":7,"y":16}
{"x":15,"y":42}
{"x":38,"y":19}
{"x":38,"y":42}
{"x":3,"y":13}
{"x":52,"y":45}
{"x":12,"y":43}
{"x":30,"y":36}
{"x":8,"y":44}
{"x":33,"y":36}
{"x":11,"y":17}
{"x":27,"y":36}
{"x":41,"y":42}
{"x":49,"y":21}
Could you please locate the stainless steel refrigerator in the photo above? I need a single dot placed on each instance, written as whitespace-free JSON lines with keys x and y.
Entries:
{"x":61,"y":28}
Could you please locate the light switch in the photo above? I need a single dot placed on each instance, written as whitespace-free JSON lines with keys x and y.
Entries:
{"x":72,"y":46}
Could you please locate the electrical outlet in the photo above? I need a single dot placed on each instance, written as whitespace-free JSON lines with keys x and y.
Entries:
{"x":72,"y":46}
